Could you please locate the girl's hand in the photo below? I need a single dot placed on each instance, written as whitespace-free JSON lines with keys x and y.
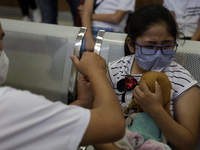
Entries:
{"x":148,"y":101}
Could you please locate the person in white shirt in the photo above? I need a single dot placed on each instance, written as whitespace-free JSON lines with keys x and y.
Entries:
{"x":32,"y":122}
{"x":187,"y":15}
{"x":108,"y":15}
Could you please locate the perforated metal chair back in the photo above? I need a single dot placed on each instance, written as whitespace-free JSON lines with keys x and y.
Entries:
{"x":39,"y":57}
{"x":188,"y":55}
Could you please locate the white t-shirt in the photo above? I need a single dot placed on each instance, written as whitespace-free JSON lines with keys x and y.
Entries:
{"x":31,"y":122}
{"x":187,"y":14}
{"x":110,"y":7}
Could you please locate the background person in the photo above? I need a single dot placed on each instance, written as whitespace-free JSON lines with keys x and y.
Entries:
{"x":49,"y":9}
{"x":108,"y":15}
{"x":187,"y":15}
{"x":34,"y":15}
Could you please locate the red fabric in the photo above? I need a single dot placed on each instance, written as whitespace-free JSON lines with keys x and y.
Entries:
{"x":130,"y":82}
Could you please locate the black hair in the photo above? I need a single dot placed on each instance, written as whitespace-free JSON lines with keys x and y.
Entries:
{"x":147,"y":16}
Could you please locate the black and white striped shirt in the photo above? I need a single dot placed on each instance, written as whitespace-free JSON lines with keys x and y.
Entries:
{"x":181,"y":80}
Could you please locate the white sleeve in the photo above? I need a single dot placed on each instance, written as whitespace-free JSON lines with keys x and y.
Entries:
{"x":126,"y":5}
{"x":31,"y":122}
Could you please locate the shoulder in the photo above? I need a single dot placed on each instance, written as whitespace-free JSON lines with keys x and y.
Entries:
{"x":35,"y":113}
{"x":22,"y":96}
{"x":123,"y":60}
{"x":120,"y":68}
{"x":17,"y":99}
{"x":175,"y":71}
{"x":122,"y":64}
{"x":180,"y":78}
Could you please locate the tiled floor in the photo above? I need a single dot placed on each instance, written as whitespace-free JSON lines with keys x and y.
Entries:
{"x":64,"y":18}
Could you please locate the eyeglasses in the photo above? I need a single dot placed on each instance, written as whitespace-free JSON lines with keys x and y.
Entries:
{"x":149,"y":49}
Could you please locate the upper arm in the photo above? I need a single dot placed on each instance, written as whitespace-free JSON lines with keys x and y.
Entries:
{"x":119,"y":15}
{"x":186,"y":110}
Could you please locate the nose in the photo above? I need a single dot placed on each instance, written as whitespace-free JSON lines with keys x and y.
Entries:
{"x":159,"y":48}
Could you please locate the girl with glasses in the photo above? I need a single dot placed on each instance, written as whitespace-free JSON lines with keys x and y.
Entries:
{"x":151,"y":46}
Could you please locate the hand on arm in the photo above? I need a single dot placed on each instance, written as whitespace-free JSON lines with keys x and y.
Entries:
{"x":148,"y":101}
{"x":107,"y":119}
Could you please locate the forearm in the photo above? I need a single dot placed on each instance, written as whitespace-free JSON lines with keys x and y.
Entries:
{"x":110,"y":18}
{"x":87,"y":23}
{"x":87,"y":17}
{"x":179,"y":136}
{"x":104,"y":94}
{"x":196,"y":36}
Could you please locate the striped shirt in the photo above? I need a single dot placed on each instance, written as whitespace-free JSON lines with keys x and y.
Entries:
{"x":181,"y":80}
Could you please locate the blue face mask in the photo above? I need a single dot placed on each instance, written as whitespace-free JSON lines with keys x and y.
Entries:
{"x":156,"y":62}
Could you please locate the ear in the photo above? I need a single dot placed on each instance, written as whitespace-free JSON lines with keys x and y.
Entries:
{"x":130,"y":45}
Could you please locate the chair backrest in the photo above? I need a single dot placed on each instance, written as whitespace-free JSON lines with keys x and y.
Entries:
{"x":39,"y":57}
{"x":188,"y":55}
